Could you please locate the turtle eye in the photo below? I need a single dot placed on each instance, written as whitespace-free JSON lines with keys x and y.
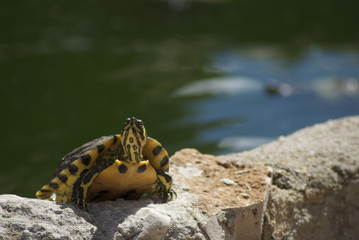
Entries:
{"x":140,"y":123}
{"x":127,"y":121}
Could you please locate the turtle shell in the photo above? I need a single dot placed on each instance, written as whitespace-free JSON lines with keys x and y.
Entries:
{"x":123,"y":165}
{"x":99,"y":153}
{"x":123,"y":180}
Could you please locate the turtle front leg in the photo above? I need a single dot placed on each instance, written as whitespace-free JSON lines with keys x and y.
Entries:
{"x":159,"y":159}
{"x":163,"y":187}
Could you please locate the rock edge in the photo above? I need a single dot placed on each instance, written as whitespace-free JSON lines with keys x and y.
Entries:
{"x":314,"y":195}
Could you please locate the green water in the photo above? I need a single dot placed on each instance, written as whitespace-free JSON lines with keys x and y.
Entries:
{"x":73,"y":71}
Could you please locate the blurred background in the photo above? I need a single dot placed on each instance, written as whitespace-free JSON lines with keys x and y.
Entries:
{"x":217,"y":75}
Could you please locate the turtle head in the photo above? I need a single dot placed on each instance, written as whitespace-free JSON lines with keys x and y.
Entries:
{"x":133,"y":138}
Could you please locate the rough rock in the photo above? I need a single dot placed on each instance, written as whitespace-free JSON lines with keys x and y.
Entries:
{"x":205,"y":208}
{"x":228,"y":194}
{"x":315,"y":191}
{"x":149,"y":224}
{"x":23,"y":218}
{"x":314,"y":195}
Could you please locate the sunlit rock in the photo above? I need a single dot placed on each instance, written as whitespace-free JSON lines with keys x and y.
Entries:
{"x":302,"y":186}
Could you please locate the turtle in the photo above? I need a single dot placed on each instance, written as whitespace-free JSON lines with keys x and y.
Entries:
{"x":127,"y":165}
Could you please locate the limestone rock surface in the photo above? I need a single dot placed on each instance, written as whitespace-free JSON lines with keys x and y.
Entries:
{"x":23,"y":218}
{"x":315,"y":191}
{"x":303,"y":186}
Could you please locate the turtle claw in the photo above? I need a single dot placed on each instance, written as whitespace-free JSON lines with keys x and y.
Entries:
{"x":82,"y":204}
{"x":172,"y":195}
{"x":167,"y":196}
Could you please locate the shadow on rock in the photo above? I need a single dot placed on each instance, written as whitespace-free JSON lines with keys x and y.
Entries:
{"x":116,"y":218}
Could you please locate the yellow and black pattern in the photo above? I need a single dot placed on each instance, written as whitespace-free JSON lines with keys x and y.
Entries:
{"x":126,"y":165}
{"x":159,"y":159}
{"x":123,"y":179}
{"x":101,"y":151}
{"x":133,"y":139}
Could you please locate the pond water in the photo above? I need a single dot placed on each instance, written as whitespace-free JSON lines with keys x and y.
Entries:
{"x":219,"y":76}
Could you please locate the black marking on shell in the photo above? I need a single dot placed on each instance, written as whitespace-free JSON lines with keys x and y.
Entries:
{"x":76,"y":154}
{"x":157,"y":150}
{"x":88,"y":176}
{"x":114,"y":139}
{"x":134,"y":147}
{"x":53,"y":185}
{"x":100,"y":148}
{"x":62,"y":177}
{"x":164,"y":161}
{"x":86,"y":159}
{"x":141,"y":168}
{"x":45,"y":190}
{"x":131,"y":139}
{"x":73,"y":169}
{"x":122,"y":168}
